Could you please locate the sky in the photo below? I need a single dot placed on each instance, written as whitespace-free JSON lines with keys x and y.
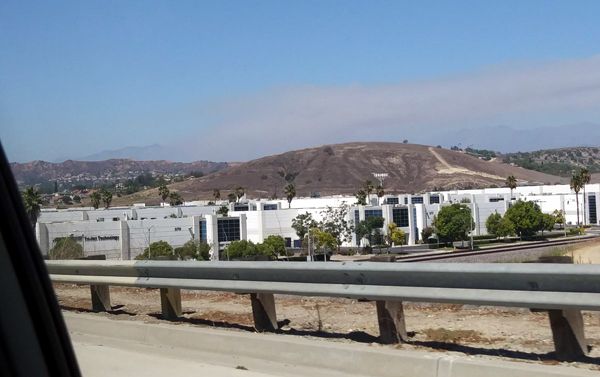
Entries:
{"x":235,"y":80}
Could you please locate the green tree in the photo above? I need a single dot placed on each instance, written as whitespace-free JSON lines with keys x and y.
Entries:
{"x":526,"y":218}
{"x":65,"y":248}
{"x":576,"y":185}
{"x":106,"y":197}
{"x":492,"y":223}
{"x":275,"y":245}
{"x":157,"y":250}
{"x":586,"y":177}
{"x":559,"y":217}
{"x":175,"y":199}
{"x":96,"y":198}
{"x":77,"y":199}
{"x":370,"y":229}
{"x":505,"y":228}
{"x":335,"y":222}
{"x":223,"y":211}
{"x":548,"y":222}
{"x":216,"y":194}
{"x":453,"y":222}
{"x":193,"y":250}
{"x":290,"y":193}
{"x":426,"y":233}
{"x":239,"y":193}
{"x":511,"y":183}
{"x":163,"y":192}
{"x":33,"y":204}
{"x":322,"y":241}
{"x":302,"y":223}
{"x":395,"y":235}
{"x":361,"y":197}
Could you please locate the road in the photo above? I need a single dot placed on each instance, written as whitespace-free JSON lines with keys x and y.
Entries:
{"x":100,"y":356}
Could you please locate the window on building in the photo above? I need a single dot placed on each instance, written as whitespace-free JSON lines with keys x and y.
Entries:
{"x":203,"y":231}
{"x":228,"y":229}
{"x":288,"y":242}
{"x":434,"y":199}
{"x":494,"y":200}
{"x":270,"y":207}
{"x":177,"y":228}
{"x":116,"y":219}
{"x":392,"y":200}
{"x":356,"y":221}
{"x":592,"y":209}
{"x":242,"y":207}
{"x":100,"y":219}
{"x":373,"y":213}
{"x":416,"y":200}
{"x":400,"y":216}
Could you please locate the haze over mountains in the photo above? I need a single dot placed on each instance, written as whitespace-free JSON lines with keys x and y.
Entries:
{"x":498,"y":138}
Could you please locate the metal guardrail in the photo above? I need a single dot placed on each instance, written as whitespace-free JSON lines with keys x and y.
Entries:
{"x":563,"y":289}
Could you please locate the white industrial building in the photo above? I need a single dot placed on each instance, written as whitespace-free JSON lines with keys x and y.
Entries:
{"x":123,"y":233}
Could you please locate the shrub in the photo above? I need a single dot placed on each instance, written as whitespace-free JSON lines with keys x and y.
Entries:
{"x":193,"y":250}
{"x":526,"y":218}
{"x":65,"y":248}
{"x":243,"y":249}
{"x":275,"y":245}
{"x":157,"y":250}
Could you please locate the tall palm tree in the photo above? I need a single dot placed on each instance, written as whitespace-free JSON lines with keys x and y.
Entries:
{"x":511,"y":182}
{"x":586,"y":177}
{"x":576,"y":184}
{"x":380,"y":192}
{"x":239,"y":192}
{"x":368,"y":188}
{"x":33,"y":204}
{"x":290,"y":193}
{"x":95,"y":198}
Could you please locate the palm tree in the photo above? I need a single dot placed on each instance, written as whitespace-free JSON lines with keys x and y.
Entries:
{"x":216,"y":194}
{"x":95,"y":198}
{"x":290,"y":193}
{"x":163,"y":192}
{"x":380,"y":192}
{"x":106,"y":198}
{"x":511,"y":182}
{"x":239,"y":192}
{"x":368,"y":188}
{"x":33,"y":204}
{"x":586,"y":177}
{"x":576,"y":184}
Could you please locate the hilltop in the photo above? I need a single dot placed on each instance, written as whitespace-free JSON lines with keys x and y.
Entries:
{"x":71,"y":173}
{"x":342,"y":168}
{"x":561,"y":161}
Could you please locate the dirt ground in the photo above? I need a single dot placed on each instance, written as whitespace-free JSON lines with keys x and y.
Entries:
{"x":517,"y":334}
{"x":588,"y":253}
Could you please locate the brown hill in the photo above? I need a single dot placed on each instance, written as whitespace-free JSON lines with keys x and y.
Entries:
{"x":342,"y":168}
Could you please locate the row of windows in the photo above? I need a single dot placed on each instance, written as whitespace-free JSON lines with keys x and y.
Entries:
{"x":270,"y":207}
{"x":373,"y":213}
{"x":434,"y":199}
{"x":416,"y":199}
{"x":203,"y":231}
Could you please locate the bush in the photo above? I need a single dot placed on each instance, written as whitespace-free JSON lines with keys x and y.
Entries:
{"x":65,"y":248}
{"x":526,"y":217}
{"x":243,"y":249}
{"x":193,"y":250}
{"x":157,"y":250}
{"x":275,"y":245}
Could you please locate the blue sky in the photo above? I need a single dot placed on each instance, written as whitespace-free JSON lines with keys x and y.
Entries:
{"x":81,"y":77}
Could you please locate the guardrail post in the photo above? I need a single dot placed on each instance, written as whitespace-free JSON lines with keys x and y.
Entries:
{"x":568,"y":334}
{"x":170,"y":303}
{"x":100,"y":298}
{"x":263,"y":311}
{"x":392,"y":327}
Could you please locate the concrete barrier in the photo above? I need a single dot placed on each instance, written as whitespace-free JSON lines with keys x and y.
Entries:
{"x":353,"y":359}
